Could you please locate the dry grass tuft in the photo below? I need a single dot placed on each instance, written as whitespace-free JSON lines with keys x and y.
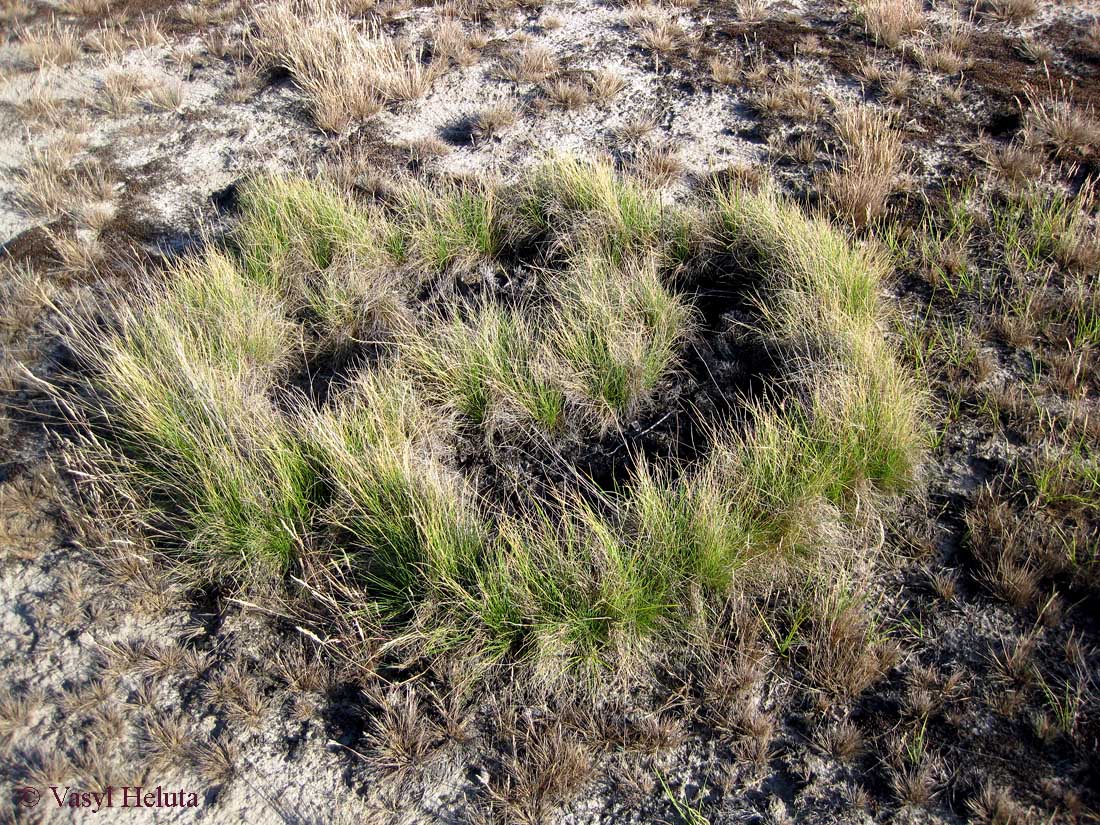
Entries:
{"x":548,"y":769}
{"x":899,"y":84}
{"x":45,"y":184}
{"x":24,"y":296}
{"x":662,"y":35}
{"x":1054,"y":121}
{"x":915,"y":785}
{"x":842,"y":656}
{"x":566,"y":94}
{"x":166,"y":741}
{"x":798,"y":98}
{"x":1036,"y":50}
{"x":120,"y":91}
{"x":245,"y":84}
{"x":489,"y":123}
{"x":16,"y":715}
{"x":994,"y":805}
{"x":402,"y":734}
{"x":636,"y":129}
{"x":217,"y":760}
{"x":726,"y":72}
{"x":660,"y":164}
{"x":605,"y":85}
{"x":1014,"y":11}
{"x":85,"y":8}
{"x":41,"y":104}
{"x":532,"y":64}
{"x":1005,"y":549}
{"x":107,"y":40}
{"x":804,"y":150}
{"x":50,"y":45}
{"x":422,"y":149}
{"x":165,"y":96}
{"x":149,"y":32}
{"x":843,"y":741}
{"x":451,"y":43}
{"x":866,"y":175}
{"x":889,"y":21}
{"x":752,"y":11}
{"x":346,"y":73}
{"x":78,"y":254}
{"x":942,"y":59}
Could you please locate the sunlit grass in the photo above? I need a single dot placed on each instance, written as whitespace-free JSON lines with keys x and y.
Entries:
{"x":247,"y":477}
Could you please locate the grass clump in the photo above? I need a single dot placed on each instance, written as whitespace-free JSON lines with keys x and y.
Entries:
{"x":347,"y":73}
{"x":599,"y":349}
{"x":491,"y":367}
{"x":209,"y":314}
{"x":824,"y":287}
{"x":331,"y":259}
{"x":764,"y":498}
{"x":888,"y":21}
{"x":596,"y":210}
{"x":414,"y":532}
{"x":181,"y":387}
{"x":826,"y":296}
{"x":290,"y":222}
{"x":362,"y":486}
{"x":452,"y":226}
{"x":618,"y":331}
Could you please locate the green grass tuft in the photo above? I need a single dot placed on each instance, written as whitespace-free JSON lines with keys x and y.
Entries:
{"x":331,"y":259}
{"x":491,"y":364}
{"x":452,"y":225}
{"x":587,"y":207}
{"x":182,"y":382}
{"x":414,"y":530}
{"x":618,"y":329}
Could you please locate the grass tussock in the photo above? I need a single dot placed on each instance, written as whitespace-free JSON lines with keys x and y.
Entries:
{"x":595,"y":210}
{"x":347,"y":72}
{"x":181,"y":383}
{"x":618,"y":330}
{"x":889,"y":21}
{"x":828,"y":299}
{"x":417,"y":533}
{"x":50,"y":45}
{"x":866,"y":174}
{"x":358,"y":493}
{"x":329,"y":259}
{"x":451,"y":225}
{"x":597,"y":352}
{"x":490,"y":368}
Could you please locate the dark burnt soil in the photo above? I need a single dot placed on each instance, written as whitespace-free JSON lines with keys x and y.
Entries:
{"x":1013,"y":652}
{"x":1007,"y":658}
{"x":996,"y":81}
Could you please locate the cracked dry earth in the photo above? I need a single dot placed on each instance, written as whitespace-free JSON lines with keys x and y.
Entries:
{"x":135,"y":133}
